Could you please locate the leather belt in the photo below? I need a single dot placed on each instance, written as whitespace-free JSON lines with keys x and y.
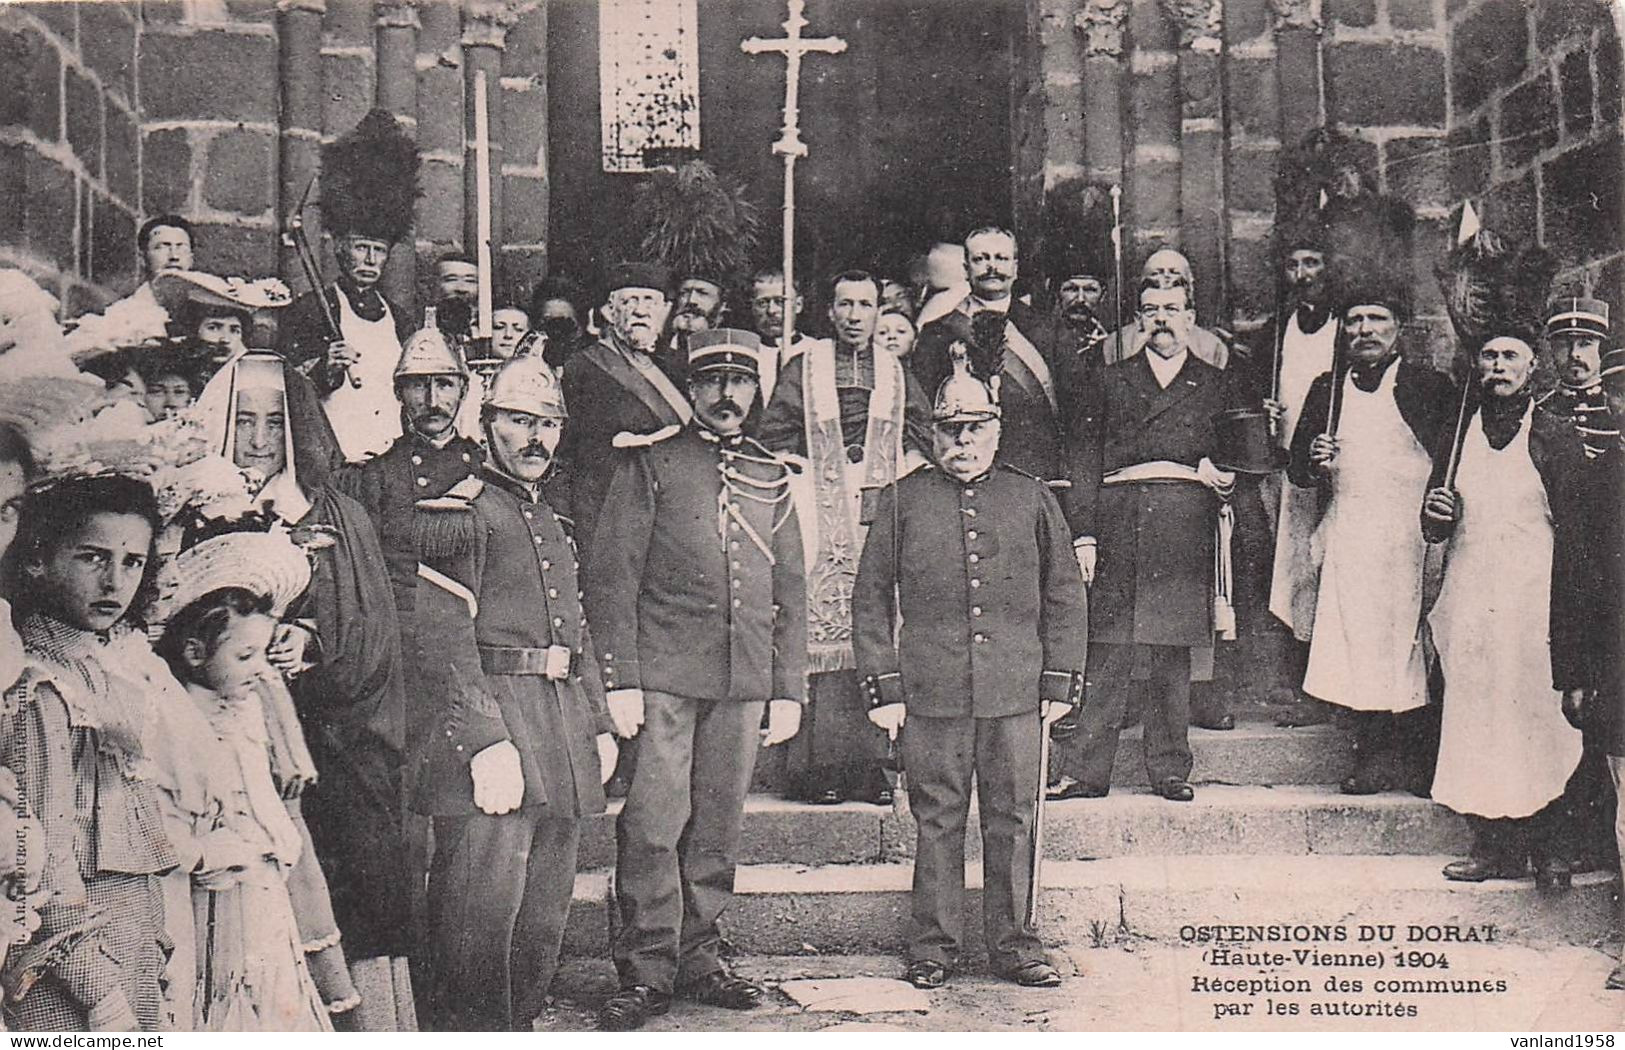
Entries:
{"x":554,"y":662}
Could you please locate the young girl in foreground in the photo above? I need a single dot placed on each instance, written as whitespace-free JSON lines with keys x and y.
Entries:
{"x":251,"y":972}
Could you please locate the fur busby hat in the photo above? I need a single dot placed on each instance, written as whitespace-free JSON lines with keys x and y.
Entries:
{"x":370,"y":180}
{"x":1492,"y":286}
{"x":1078,"y":232}
{"x":697,"y":223}
{"x":1326,"y":198}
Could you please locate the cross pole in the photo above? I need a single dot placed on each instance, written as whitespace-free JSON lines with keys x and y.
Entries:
{"x":789,"y":146}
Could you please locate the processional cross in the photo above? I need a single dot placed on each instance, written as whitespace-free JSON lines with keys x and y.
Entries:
{"x":789,"y":146}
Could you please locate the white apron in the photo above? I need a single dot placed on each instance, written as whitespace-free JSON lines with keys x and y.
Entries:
{"x":1366,"y":653}
{"x":1505,"y":749}
{"x":1292,"y":579}
{"x":366,"y":418}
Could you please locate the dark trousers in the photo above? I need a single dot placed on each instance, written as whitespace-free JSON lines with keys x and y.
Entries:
{"x":677,"y":838}
{"x":499,"y":895}
{"x":1090,"y":754}
{"x":941,"y":755}
{"x":838,"y":748}
{"x":1514,"y":840}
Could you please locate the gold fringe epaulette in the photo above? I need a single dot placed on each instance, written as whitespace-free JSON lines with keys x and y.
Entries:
{"x":444,"y":527}
{"x":631,"y":439}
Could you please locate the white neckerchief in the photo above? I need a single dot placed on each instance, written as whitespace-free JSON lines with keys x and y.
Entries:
{"x":1166,"y":368}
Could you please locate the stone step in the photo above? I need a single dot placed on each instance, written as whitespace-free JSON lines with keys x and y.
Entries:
{"x":790,"y":909}
{"x":1255,"y":752}
{"x":1223,"y":819}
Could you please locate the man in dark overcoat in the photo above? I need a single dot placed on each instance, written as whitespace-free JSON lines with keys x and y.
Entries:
{"x":615,"y":386}
{"x":697,"y":596}
{"x":977,"y":559}
{"x":513,"y":764}
{"x":1147,"y":494}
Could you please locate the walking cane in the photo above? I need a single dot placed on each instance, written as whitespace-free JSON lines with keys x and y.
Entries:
{"x":1030,"y":920}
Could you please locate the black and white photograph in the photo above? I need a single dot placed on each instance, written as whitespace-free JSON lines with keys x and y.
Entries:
{"x":852,"y":516}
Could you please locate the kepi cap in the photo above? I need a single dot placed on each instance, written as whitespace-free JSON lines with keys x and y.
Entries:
{"x":1578,"y":315}
{"x":725,"y":349}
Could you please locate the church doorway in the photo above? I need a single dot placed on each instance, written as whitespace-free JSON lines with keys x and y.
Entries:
{"x":909,"y":130}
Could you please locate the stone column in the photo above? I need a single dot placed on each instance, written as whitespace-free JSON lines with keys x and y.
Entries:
{"x":395,"y":57}
{"x":485,"y":33}
{"x":1201,"y":149}
{"x":1101,"y":22}
{"x":1297,"y":67}
{"x":299,"y":121}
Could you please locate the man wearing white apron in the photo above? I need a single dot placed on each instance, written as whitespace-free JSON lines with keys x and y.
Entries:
{"x":368,"y":186}
{"x":1366,"y":653}
{"x":861,"y":420}
{"x":1506,"y":752}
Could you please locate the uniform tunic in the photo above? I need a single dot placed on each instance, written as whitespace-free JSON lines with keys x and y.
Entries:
{"x":507,"y":648}
{"x":1587,"y":410}
{"x":1505,"y":749}
{"x":994,"y":621}
{"x":697,"y":597}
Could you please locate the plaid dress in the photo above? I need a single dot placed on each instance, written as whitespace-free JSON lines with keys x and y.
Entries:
{"x":71,"y":730}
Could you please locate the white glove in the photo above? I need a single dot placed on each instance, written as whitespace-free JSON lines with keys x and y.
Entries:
{"x":1054,"y":710}
{"x":608,"y":752}
{"x":626,"y":711}
{"x":889,"y":717}
{"x":783,"y":722}
{"x":1220,"y":481}
{"x":499,"y":783}
{"x":1086,"y":551}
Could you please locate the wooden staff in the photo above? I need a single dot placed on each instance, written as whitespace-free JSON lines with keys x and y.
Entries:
{"x":1459,"y":435}
{"x":482,"y":204}
{"x":1117,"y":267}
{"x":1340,"y":370}
{"x":1035,"y":868}
{"x":295,"y":237}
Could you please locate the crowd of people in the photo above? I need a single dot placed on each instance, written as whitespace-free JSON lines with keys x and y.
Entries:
{"x":329,"y":630}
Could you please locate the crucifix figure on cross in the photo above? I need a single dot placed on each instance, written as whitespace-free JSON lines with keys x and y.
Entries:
{"x":789,"y":146}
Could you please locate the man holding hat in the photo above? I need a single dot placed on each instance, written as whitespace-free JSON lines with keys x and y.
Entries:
{"x":1575,"y":331}
{"x":616,"y":386}
{"x":697,"y":603}
{"x":515,"y":759}
{"x":977,"y":559}
{"x":1373,"y":463}
{"x":369,"y":188}
{"x":1147,"y":493}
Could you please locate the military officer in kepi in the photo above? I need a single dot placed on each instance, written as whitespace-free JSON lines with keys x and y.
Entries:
{"x":522,"y":743}
{"x":977,"y":560}
{"x":696,"y":595}
{"x":1576,"y":329}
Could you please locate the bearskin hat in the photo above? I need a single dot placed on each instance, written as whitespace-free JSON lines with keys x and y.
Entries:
{"x":370,"y":180}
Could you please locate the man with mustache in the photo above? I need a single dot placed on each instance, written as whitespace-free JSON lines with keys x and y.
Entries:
{"x":699,"y":305}
{"x":1077,"y":306}
{"x":369,"y":186}
{"x":977,"y":560}
{"x":520,"y":741}
{"x":1576,"y":328}
{"x":1146,"y":497}
{"x":613,"y":386}
{"x":696,"y":600}
{"x":1040,"y":384}
{"x":767,"y":303}
{"x":1166,"y":266}
{"x":1506,"y":751}
{"x":860,"y":419}
{"x":1365,"y":655}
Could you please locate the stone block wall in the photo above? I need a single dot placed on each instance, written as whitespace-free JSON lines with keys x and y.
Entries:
{"x":1535,"y":129}
{"x":1514,"y":103}
{"x":70,"y":147}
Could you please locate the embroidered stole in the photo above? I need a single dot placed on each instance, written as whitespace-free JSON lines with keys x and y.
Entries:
{"x":830,"y":495}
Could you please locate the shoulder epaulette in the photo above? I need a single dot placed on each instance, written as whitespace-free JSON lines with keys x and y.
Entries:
{"x":630,"y":439}
{"x":1022,"y":473}
{"x":446,"y":527}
